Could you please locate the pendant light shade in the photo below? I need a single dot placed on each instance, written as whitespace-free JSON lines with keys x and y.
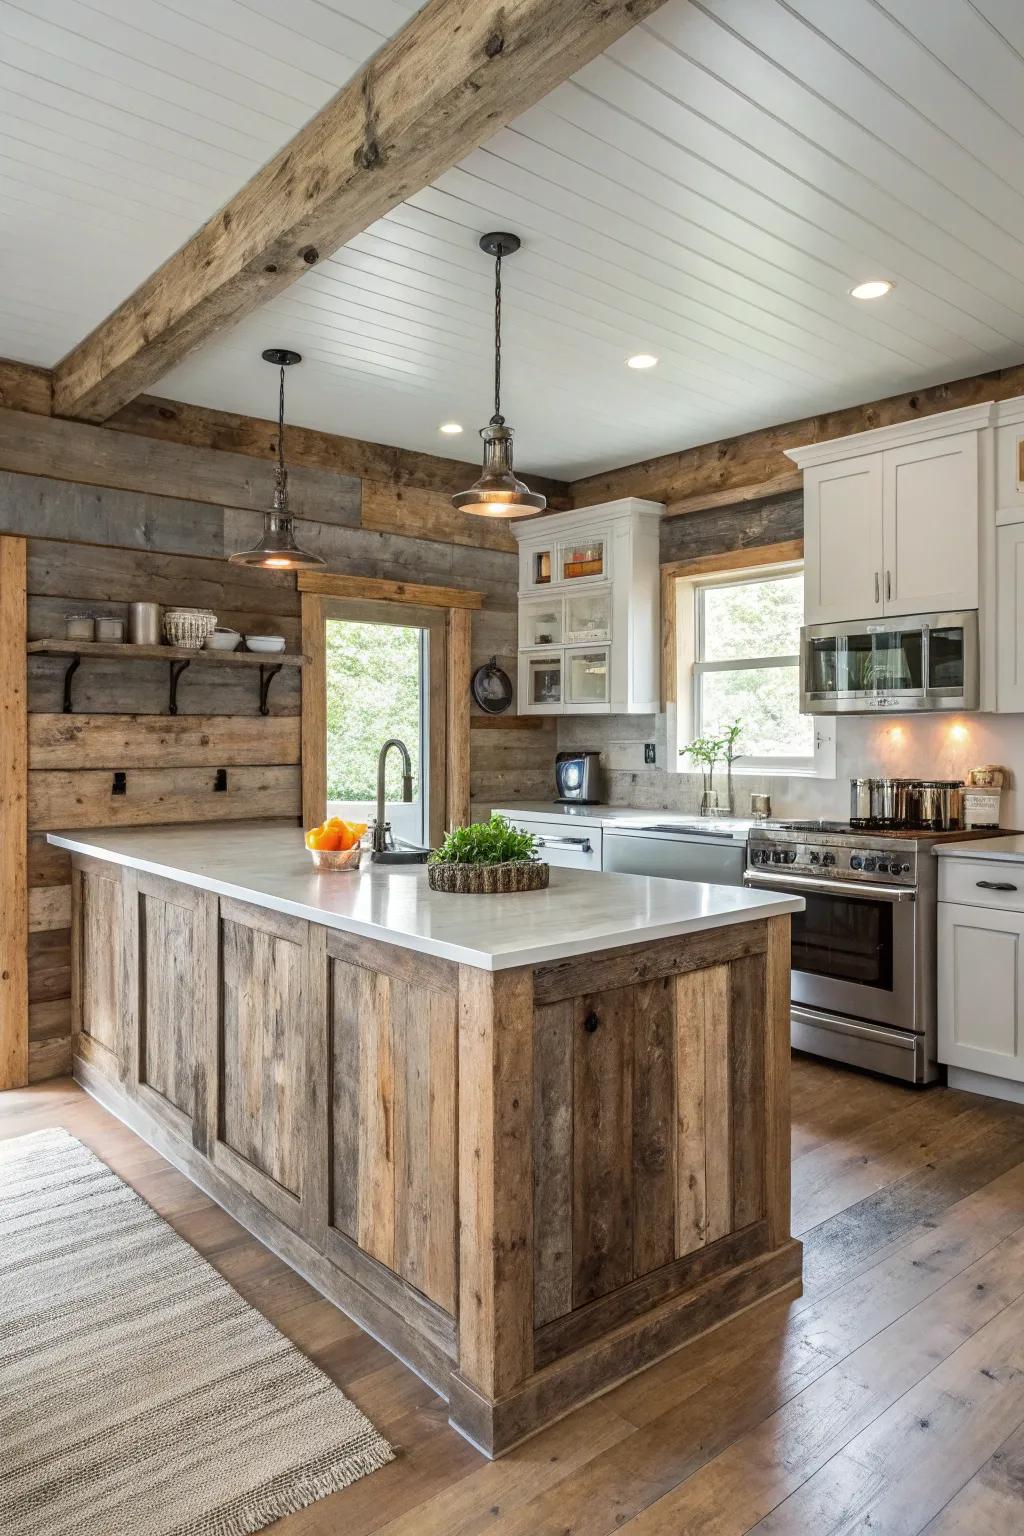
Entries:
{"x":498,"y":492}
{"x":277,"y":550}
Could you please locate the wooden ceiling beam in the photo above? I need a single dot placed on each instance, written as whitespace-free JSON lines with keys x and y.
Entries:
{"x":198,"y":426}
{"x":445,"y":83}
{"x":24,"y":387}
{"x":754,"y":466}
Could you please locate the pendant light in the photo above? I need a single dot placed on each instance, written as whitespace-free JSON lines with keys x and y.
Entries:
{"x":277,"y":550}
{"x":498,"y":493}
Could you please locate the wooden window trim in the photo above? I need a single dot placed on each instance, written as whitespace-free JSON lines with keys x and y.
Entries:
{"x":316,"y":588}
{"x":783,"y":553}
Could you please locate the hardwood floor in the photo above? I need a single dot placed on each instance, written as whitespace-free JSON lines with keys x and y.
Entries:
{"x":889,"y":1398}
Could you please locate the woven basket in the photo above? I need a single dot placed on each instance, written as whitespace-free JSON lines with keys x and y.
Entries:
{"x":489,"y":879}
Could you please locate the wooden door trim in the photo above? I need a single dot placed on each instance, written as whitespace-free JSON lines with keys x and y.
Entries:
{"x":14,"y":815}
{"x":450,"y":718}
{"x":331,"y":584}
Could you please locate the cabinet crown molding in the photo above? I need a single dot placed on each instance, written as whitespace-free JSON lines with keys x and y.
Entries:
{"x":971,"y":418}
{"x":533,"y":528}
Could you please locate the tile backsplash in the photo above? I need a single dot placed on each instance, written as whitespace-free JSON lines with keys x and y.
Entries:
{"x":922,"y":746}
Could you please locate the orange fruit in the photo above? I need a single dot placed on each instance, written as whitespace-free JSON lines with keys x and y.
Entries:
{"x":311,"y":836}
{"x":324,"y":839}
{"x":345,"y":835}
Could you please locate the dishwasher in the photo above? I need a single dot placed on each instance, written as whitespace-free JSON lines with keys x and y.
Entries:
{"x":715,"y":853}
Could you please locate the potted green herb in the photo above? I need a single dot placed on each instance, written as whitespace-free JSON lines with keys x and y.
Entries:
{"x":488,"y":858}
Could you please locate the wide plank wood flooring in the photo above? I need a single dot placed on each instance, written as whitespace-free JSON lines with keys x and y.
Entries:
{"x":888,"y":1399}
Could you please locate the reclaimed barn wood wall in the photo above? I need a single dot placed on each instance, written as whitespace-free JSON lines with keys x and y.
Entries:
{"x":111,"y":518}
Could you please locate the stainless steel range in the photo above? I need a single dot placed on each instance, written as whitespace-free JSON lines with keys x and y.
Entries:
{"x":863,"y":979}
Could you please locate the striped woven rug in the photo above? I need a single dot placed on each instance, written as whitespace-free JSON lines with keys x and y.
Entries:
{"x":139,"y":1394}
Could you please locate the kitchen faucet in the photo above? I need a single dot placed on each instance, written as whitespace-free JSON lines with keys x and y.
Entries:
{"x":381,"y":828}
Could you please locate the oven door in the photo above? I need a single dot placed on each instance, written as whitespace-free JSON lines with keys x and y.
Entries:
{"x":854,"y":948}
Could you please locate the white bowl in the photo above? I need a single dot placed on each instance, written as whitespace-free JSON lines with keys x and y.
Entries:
{"x":270,"y":645}
{"x":222,"y":640}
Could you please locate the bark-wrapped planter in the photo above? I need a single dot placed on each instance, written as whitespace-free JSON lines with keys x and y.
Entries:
{"x":489,"y":879}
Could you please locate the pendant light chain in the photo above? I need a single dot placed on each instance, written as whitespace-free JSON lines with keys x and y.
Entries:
{"x":497,"y":420}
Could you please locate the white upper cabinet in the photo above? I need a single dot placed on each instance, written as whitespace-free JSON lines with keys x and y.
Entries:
{"x":843,"y":540}
{"x":930,"y":508}
{"x":892,"y":518}
{"x":589,"y":610}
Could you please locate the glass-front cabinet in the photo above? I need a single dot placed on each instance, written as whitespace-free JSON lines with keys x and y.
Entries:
{"x":588,"y":616}
{"x":587,"y":677}
{"x":583,"y":559}
{"x":540,"y":622}
{"x":543,"y":678}
{"x":589,"y":622}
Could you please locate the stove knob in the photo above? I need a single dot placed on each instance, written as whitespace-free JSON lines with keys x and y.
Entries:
{"x":883,"y":868}
{"x":776,"y":857}
{"x":870,"y":865}
{"x":815,"y":858}
{"x":856,"y":862}
{"x":791,"y":856}
{"x":828,"y":859}
{"x":904,"y":869}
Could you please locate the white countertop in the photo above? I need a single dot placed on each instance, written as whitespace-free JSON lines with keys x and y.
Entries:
{"x":630,"y":817}
{"x":581,"y":911}
{"x":1010,"y":849}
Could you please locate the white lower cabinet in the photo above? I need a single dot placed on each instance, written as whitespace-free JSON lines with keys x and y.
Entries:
{"x":981,"y":985}
{"x":561,"y":840}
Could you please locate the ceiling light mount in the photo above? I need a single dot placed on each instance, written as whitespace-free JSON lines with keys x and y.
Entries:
{"x":872,"y":288}
{"x":498,"y":492}
{"x":277,"y":550}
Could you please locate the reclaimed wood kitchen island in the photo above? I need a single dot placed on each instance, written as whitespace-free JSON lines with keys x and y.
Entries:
{"x":532,"y":1143}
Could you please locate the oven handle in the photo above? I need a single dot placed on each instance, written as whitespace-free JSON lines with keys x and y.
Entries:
{"x":798,"y":883}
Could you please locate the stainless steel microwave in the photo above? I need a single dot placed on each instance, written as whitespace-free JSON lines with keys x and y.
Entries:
{"x":922,"y":661}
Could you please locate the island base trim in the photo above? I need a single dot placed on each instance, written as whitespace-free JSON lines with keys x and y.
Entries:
{"x":497,"y":1427}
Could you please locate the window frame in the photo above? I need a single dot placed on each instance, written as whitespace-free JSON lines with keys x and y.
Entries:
{"x":688,"y":620}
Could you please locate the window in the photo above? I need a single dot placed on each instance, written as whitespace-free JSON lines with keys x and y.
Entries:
{"x":376,"y":688}
{"x":745,"y":667}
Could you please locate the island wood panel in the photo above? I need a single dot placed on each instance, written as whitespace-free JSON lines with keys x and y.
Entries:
{"x":170,"y":1030}
{"x":393,"y":1116}
{"x":653,"y":1095}
{"x":96,"y":958}
{"x":263,"y":1052}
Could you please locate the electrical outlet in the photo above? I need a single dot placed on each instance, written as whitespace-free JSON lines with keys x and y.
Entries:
{"x":648,"y":751}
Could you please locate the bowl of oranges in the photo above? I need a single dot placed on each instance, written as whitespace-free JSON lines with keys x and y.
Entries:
{"x":335,"y":845}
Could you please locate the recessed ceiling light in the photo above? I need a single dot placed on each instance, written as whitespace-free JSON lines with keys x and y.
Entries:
{"x":451,"y":428}
{"x":877,"y":288}
{"x":642,"y":360}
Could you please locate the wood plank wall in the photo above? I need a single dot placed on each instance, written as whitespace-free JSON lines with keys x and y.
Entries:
{"x":98,"y":547}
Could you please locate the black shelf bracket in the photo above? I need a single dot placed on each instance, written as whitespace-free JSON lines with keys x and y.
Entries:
{"x":267,"y":675}
{"x":69,"y":672}
{"x":177,"y":668}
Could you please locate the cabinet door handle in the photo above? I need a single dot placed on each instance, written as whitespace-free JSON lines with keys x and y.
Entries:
{"x":878,"y":593}
{"x":888,"y":585}
{"x":996,"y":885}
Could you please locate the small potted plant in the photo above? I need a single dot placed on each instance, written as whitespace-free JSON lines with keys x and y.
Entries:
{"x":488,"y":858}
{"x":706,"y":751}
{"x":730,"y":740}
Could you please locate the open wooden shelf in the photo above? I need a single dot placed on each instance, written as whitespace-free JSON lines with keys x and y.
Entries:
{"x":122,"y":651}
{"x":178,"y":658}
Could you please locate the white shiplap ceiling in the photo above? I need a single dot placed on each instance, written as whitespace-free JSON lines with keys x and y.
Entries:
{"x":124,"y":124}
{"x":708,"y":190}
